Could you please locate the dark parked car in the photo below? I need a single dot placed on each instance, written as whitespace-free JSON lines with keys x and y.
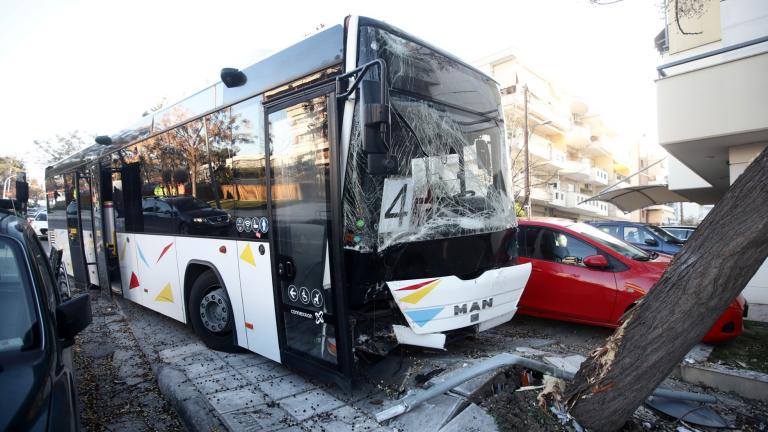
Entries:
{"x":680,"y":231}
{"x":183,"y":215}
{"x":37,"y":329}
{"x":645,"y":236}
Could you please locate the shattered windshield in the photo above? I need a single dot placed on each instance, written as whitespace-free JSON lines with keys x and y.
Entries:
{"x":448,"y":139}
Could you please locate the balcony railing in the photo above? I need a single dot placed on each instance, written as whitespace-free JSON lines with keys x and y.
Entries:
{"x":599,"y":176}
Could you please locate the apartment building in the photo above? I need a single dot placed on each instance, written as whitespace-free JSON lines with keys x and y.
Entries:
{"x":573,"y":154}
{"x":712,"y":95}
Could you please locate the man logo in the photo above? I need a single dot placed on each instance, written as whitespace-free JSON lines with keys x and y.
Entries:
{"x":473,"y":307}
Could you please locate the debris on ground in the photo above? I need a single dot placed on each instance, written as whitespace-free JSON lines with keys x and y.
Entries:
{"x":115,"y":383}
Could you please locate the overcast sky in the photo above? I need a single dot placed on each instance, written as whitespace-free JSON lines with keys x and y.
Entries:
{"x":95,"y":66}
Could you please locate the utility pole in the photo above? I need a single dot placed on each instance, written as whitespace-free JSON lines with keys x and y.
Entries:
{"x":526,"y":162}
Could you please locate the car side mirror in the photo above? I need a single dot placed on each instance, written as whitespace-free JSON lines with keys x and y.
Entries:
{"x":596,"y":262}
{"x":72,"y":316}
{"x":651,"y":242}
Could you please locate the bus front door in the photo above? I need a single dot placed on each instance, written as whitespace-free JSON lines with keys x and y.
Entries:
{"x":301,"y":165}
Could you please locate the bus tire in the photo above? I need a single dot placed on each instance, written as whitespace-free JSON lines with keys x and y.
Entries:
{"x":210,"y":313}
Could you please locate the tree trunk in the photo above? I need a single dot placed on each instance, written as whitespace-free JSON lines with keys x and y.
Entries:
{"x":703,"y":279}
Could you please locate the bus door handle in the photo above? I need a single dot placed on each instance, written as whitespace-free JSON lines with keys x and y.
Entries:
{"x":286,"y":269}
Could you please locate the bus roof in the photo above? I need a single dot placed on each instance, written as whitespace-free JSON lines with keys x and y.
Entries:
{"x":315,"y":53}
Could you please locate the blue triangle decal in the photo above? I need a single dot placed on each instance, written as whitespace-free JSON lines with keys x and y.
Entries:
{"x":423,"y":316}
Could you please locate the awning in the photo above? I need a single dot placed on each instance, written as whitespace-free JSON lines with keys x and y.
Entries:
{"x":632,"y":198}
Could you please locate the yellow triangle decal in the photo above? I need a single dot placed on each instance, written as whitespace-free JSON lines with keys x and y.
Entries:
{"x":247,"y":255}
{"x":418,"y":295}
{"x":166,"y":294}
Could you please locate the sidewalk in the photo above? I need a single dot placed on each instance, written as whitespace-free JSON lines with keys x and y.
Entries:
{"x":115,"y":384}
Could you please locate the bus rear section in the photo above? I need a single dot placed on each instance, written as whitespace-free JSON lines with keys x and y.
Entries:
{"x":319,"y":207}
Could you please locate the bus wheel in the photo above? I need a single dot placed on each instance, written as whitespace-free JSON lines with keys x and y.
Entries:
{"x":211,"y":313}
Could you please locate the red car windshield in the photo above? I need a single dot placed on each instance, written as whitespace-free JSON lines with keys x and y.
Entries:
{"x":610,"y":241}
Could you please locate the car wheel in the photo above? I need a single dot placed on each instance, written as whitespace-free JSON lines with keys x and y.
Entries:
{"x":210,"y":313}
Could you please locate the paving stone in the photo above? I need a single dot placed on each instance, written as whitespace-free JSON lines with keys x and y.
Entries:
{"x":237,"y":399}
{"x":531,"y":351}
{"x":172,"y":355}
{"x":264,"y":372}
{"x":534,"y":342}
{"x":360,"y":390}
{"x":429,"y":416}
{"x":259,"y":418}
{"x":472,"y":419}
{"x":203,"y":368}
{"x":281,"y":387}
{"x":218,"y":382}
{"x":468,"y":388}
{"x":239,"y":360}
{"x":345,"y":418}
{"x":569,"y":364}
{"x":305,"y":405}
{"x":374,"y":403}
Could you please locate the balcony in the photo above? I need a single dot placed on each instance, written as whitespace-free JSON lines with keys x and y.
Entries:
{"x":703,"y":112}
{"x":572,"y":200}
{"x":548,"y":196}
{"x":599,"y":176}
{"x":579,"y":171}
{"x":557,"y":197}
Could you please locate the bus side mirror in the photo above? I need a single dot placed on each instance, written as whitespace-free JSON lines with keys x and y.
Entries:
{"x":374,"y":119}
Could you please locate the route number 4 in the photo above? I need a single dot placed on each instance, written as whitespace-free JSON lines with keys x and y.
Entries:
{"x":396,"y":202}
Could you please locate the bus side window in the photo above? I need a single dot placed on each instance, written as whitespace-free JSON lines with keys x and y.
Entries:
{"x":248,"y":187}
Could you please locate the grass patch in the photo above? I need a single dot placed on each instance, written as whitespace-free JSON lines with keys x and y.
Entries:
{"x":749,"y":351}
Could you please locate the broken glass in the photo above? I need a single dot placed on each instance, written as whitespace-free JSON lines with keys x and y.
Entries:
{"x":448,"y":138}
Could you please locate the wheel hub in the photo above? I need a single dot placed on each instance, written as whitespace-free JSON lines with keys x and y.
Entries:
{"x":213,"y":311}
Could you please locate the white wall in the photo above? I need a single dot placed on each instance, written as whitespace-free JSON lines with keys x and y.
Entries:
{"x":681,"y":177}
{"x":739,"y":157}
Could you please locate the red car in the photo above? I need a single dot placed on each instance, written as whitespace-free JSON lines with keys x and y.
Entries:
{"x":584,"y":275}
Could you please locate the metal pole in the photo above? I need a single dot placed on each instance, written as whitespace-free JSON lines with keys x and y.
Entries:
{"x":527,"y":171}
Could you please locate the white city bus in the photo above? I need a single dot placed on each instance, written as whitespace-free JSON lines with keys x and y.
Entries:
{"x":319,"y":207}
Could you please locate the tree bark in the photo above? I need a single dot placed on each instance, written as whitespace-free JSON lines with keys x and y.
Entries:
{"x":703,"y":279}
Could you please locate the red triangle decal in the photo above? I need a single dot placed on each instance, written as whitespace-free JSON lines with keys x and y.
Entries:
{"x":416,"y":286}
{"x":134,"y":281}
{"x":165,"y":249}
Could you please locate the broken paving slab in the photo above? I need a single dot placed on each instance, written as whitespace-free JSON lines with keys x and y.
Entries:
{"x":237,"y":399}
{"x":430,"y":415}
{"x":569,"y":364}
{"x":472,"y":419}
{"x":310,"y":403}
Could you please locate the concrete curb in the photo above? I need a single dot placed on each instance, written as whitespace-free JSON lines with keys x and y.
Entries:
{"x":749,"y":384}
{"x":193,"y":408}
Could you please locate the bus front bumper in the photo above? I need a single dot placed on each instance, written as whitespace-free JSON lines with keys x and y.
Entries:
{"x":436,"y":305}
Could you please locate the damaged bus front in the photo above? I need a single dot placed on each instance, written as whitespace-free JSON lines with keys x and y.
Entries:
{"x":427,"y":214}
